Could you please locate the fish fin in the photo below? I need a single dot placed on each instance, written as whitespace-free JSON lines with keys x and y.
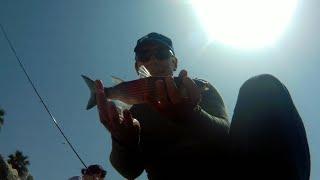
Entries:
{"x":115,"y":80}
{"x":143,"y":72}
{"x":92,"y":100}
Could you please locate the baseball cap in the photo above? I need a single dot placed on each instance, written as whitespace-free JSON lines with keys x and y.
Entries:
{"x":154,"y":37}
{"x":94,"y":169}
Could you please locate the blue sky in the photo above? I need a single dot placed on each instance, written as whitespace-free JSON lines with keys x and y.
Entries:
{"x":60,"y":40}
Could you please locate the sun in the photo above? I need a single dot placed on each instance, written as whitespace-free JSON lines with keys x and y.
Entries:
{"x":247,"y":24}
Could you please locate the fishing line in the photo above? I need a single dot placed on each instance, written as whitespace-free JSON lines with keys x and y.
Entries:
{"x":35,"y":90}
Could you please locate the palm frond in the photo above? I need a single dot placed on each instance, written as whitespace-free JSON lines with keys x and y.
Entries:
{"x":19,"y":162}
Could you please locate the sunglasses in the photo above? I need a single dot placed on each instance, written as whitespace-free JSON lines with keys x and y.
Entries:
{"x":160,"y":54}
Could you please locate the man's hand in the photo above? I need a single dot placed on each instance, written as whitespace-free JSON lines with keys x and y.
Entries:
{"x":124,"y":128}
{"x":170,"y":97}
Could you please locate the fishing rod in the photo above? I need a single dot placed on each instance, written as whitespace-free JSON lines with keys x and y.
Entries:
{"x":35,"y":90}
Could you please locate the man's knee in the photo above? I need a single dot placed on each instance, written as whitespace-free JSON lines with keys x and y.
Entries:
{"x":262,"y":83}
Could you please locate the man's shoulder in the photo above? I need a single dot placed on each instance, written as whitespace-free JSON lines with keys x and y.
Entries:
{"x":203,"y":84}
{"x":200,"y":81}
{"x":206,"y":87}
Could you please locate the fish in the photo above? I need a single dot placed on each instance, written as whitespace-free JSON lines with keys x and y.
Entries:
{"x":132,"y":92}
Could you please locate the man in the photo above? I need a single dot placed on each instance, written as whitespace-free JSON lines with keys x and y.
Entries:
{"x":183,"y":135}
{"x":93,"y":172}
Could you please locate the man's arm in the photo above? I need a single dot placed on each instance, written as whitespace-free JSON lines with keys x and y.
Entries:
{"x":204,"y":109}
{"x":125,"y":133}
{"x":126,"y":160}
{"x":210,"y":113}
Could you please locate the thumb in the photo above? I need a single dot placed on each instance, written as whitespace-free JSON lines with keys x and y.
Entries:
{"x":183,"y":74}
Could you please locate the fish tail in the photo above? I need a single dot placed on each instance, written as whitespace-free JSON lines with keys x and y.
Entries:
{"x":92,"y":100}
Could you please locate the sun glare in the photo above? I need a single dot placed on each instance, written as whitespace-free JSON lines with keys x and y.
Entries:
{"x":244,"y":23}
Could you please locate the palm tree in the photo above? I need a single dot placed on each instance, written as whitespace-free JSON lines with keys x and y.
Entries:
{"x":1,"y":117}
{"x":19,"y":162}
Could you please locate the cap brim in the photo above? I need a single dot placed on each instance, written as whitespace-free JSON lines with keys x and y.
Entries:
{"x":151,"y":40}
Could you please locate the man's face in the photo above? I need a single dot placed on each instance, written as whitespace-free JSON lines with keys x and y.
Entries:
{"x":92,"y":177}
{"x":158,"y":59}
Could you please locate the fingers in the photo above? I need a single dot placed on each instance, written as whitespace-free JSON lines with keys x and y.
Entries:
{"x":108,"y":113}
{"x":172,"y":90}
{"x":192,"y":89}
{"x":125,"y":129}
{"x":183,"y":73}
{"x":168,"y":93}
{"x":100,"y":97}
{"x":161,"y":93}
{"x":167,"y":90}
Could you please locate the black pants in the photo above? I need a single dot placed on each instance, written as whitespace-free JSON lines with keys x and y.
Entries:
{"x":268,"y":139}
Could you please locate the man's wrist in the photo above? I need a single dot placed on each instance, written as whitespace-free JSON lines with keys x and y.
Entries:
{"x":125,"y":146}
{"x":185,"y":110}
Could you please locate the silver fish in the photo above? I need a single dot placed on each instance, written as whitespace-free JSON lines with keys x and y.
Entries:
{"x":130,"y":92}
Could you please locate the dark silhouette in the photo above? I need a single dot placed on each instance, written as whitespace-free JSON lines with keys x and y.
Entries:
{"x":268,"y":138}
{"x":93,"y":171}
{"x":2,"y":113}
